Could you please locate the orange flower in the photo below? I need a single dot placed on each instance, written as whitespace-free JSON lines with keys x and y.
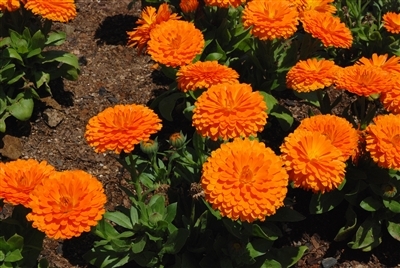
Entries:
{"x":312,"y":162}
{"x":338,"y":130}
{"x":121,"y":127}
{"x":189,"y":6}
{"x":60,"y":10}
{"x":228,"y":111}
{"x":383,"y":141}
{"x":391,"y":65}
{"x":179,"y":47}
{"x":9,"y":5}
{"x":224,"y":3}
{"x":205,"y":74}
{"x":327,"y":28}
{"x":19,"y":178}
{"x":364,"y":80}
{"x":311,"y":75}
{"x":270,"y":19}
{"x":244,"y":180}
{"x":67,"y":204}
{"x":391,"y":22}
{"x":318,"y":5}
{"x":391,"y":98}
{"x":149,"y":18}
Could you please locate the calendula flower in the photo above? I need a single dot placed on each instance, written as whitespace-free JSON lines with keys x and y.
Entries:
{"x":179,"y":47}
{"x":271,"y":19}
{"x":391,"y":98}
{"x":189,"y":6}
{"x":149,"y":18}
{"x":60,"y":10}
{"x":205,"y":74}
{"x":327,"y":28}
{"x":224,"y":3}
{"x":312,"y":161}
{"x":338,"y":130}
{"x":391,"y":22}
{"x":9,"y":5}
{"x":228,"y":111}
{"x":364,"y":80}
{"x":391,"y":65}
{"x":383,"y":141}
{"x":19,"y":178}
{"x":318,"y":5}
{"x":121,"y":127}
{"x":244,"y":180}
{"x":67,"y":204}
{"x":311,"y":74}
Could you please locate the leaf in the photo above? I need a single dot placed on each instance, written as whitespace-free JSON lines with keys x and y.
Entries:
{"x":392,"y":205}
{"x":167,"y":105}
{"x":119,"y":218}
{"x":176,"y":241}
{"x":13,"y":54}
{"x":370,"y":204}
{"x":267,"y":231}
{"x":351,"y":223}
{"x":138,"y":246}
{"x":321,"y":203}
{"x":367,"y":234}
{"x":55,"y":38}
{"x":134,"y":216}
{"x":14,"y":256}
{"x":285,"y":214}
{"x":22,"y":109}
{"x":16,"y":242}
{"x":288,"y":256}
{"x":213,"y":56}
{"x":37,"y":41}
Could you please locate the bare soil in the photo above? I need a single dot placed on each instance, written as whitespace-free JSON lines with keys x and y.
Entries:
{"x":112,"y":73}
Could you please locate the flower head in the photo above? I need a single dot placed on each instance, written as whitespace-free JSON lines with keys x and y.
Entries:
{"x":67,"y":204}
{"x":149,"y":18}
{"x":19,"y":178}
{"x":271,"y":19}
{"x":9,"y":5}
{"x":60,"y":10}
{"x":318,"y":5}
{"x":313,"y":163}
{"x":205,"y":74}
{"x":364,"y":80}
{"x":391,"y":22}
{"x":383,"y":141}
{"x":224,"y":3}
{"x":228,"y":111}
{"x":121,"y":127}
{"x":244,"y":180}
{"x":391,"y":65}
{"x":327,"y":28}
{"x":391,"y":98}
{"x":189,"y":6}
{"x":338,"y":130}
{"x":311,"y":74}
{"x":179,"y":47}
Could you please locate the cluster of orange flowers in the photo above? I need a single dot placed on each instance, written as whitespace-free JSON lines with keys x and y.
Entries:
{"x":61,"y":10}
{"x":179,"y":47}
{"x":64,"y":204}
{"x":279,"y":19}
{"x":378,"y":76}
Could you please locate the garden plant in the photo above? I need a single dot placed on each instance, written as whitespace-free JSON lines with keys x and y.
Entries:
{"x":215,"y":193}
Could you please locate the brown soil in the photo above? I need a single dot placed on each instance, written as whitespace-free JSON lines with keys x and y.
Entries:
{"x":111,"y":73}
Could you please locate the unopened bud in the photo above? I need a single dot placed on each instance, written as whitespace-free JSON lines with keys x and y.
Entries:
{"x":149,"y":147}
{"x":389,"y":190}
{"x":177,"y":139}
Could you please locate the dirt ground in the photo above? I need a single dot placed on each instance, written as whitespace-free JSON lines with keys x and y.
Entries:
{"x":111,"y":73}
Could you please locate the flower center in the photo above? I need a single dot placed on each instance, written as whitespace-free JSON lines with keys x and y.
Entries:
{"x":65,"y":203}
{"x":176,"y":42}
{"x":246,"y":175}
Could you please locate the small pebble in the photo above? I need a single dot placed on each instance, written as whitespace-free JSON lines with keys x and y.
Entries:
{"x":328,"y":262}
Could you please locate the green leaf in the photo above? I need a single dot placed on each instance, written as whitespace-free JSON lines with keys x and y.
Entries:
{"x":41,"y":78}
{"x":351,"y":223}
{"x":61,"y":57}
{"x":167,"y":105}
{"x":33,"y":53}
{"x":370,"y":204}
{"x":157,"y":203}
{"x":176,"y":241}
{"x":16,"y":242}
{"x":13,"y":256}
{"x":138,"y":246}
{"x":43,"y":263}
{"x":119,"y":218}
{"x":105,"y":230}
{"x":171,"y":212}
{"x":369,"y":233}
{"x":267,"y":231}
{"x":286,"y":214}
{"x":23,"y":107}
{"x":55,"y":39}
{"x":38,"y":41}
{"x":12,"y":54}
{"x":392,"y":205}
{"x":321,"y":203}
{"x":134,"y":216}
{"x":288,"y":256}
{"x":213,"y":56}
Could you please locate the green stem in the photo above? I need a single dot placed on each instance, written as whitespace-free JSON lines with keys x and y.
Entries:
{"x":135,"y":177}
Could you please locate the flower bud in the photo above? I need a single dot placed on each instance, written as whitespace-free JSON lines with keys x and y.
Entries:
{"x":149,"y":147}
{"x":177,"y":139}
{"x":389,"y":190}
